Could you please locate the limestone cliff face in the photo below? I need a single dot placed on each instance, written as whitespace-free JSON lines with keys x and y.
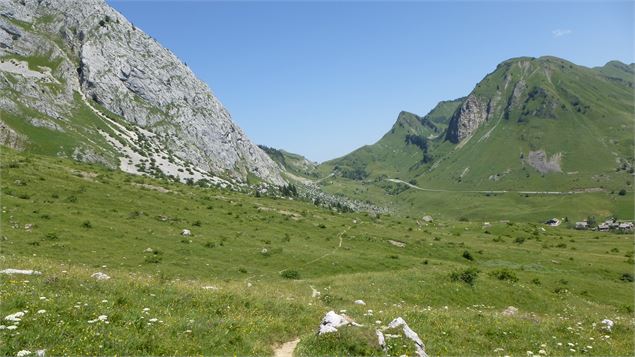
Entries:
{"x":92,"y":53}
{"x":467,"y":118}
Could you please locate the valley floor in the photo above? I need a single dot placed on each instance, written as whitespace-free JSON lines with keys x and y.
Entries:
{"x":259,"y":272}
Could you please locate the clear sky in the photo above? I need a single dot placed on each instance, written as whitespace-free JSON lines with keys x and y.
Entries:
{"x":323,"y":78}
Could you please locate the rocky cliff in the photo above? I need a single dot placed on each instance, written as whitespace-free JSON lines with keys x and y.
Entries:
{"x":102,"y":90}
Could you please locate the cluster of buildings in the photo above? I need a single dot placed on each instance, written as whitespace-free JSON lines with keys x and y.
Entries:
{"x":608,"y":225}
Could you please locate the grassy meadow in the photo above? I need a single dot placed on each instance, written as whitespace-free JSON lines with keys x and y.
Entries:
{"x":243,"y":283}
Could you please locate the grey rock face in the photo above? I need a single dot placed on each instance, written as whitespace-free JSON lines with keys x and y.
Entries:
{"x":467,"y":119}
{"x":101,"y":55}
{"x":9,"y":138}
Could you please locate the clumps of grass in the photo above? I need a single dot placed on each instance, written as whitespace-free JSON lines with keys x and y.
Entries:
{"x":519,"y":240}
{"x":467,"y":255}
{"x":627,"y":277}
{"x":152,"y":259}
{"x":197,"y":223}
{"x":467,"y":276}
{"x":51,"y":236}
{"x":290,"y":274}
{"x":393,"y":256}
{"x":87,"y":224}
{"x":71,"y":199}
{"x":536,"y":281}
{"x":242,"y":270}
{"x":504,"y":275}
{"x":209,"y":245}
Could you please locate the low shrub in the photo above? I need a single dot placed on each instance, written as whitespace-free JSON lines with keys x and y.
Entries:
{"x":467,"y":276}
{"x":505,"y":275}
{"x":290,"y":274}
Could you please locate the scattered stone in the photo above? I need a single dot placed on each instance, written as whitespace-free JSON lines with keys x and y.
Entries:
{"x":608,"y":324}
{"x":421,"y":348}
{"x":359,"y":302}
{"x":210,"y":287}
{"x":380,"y":339}
{"x":15,"y":317}
{"x":100,"y":276}
{"x":510,"y":311}
{"x":148,"y":250}
{"x":332,"y":321}
{"x":427,"y":219}
{"x":397,"y":243}
{"x":19,"y":271}
{"x":186,"y":233}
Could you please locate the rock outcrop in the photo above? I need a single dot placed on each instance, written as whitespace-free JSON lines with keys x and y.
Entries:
{"x":467,"y":118}
{"x":67,"y":52}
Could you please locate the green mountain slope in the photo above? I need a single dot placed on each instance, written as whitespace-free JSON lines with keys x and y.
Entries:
{"x":403,"y":149}
{"x":539,"y":124}
{"x":533,"y":124}
{"x":294,"y":164}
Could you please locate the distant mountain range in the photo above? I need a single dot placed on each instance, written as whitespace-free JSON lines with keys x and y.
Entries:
{"x":532,"y":125}
{"x":535,"y":123}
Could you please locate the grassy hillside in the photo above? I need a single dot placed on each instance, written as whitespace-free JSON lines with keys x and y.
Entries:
{"x":401,"y":151}
{"x":551,"y":126}
{"x":294,"y":164}
{"x":242,"y":283}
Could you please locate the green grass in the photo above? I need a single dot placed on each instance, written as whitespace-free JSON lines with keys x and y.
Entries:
{"x":86,"y":219}
{"x":39,"y":60}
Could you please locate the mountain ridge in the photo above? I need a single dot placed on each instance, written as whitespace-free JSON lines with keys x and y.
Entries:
{"x":62,"y":55}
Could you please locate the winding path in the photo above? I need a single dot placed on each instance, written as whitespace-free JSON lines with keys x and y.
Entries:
{"x":491,"y":191}
{"x":286,"y":349}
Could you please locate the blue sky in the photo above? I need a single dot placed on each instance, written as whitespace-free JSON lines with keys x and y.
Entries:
{"x":324,"y":78}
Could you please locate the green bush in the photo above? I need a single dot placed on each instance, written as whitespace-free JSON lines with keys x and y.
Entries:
{"x":505,"y":275}
{"x":290,"y":274}
{"x":467,"y":276}
{"x":627,"y":277}
{"x":467,"y":255}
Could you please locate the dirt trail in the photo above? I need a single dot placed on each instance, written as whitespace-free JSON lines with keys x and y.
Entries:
{"x":286,"y":349}
{"x":490,"y":191}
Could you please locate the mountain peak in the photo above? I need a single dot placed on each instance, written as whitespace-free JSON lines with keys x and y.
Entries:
{"x":86,"y":57}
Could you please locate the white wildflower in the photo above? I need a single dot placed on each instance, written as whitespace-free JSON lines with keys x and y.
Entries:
{"x":153,"y":320}
{"x":23,"y":353}
{"x":41,"y":311}
{"x":12,"y":327}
